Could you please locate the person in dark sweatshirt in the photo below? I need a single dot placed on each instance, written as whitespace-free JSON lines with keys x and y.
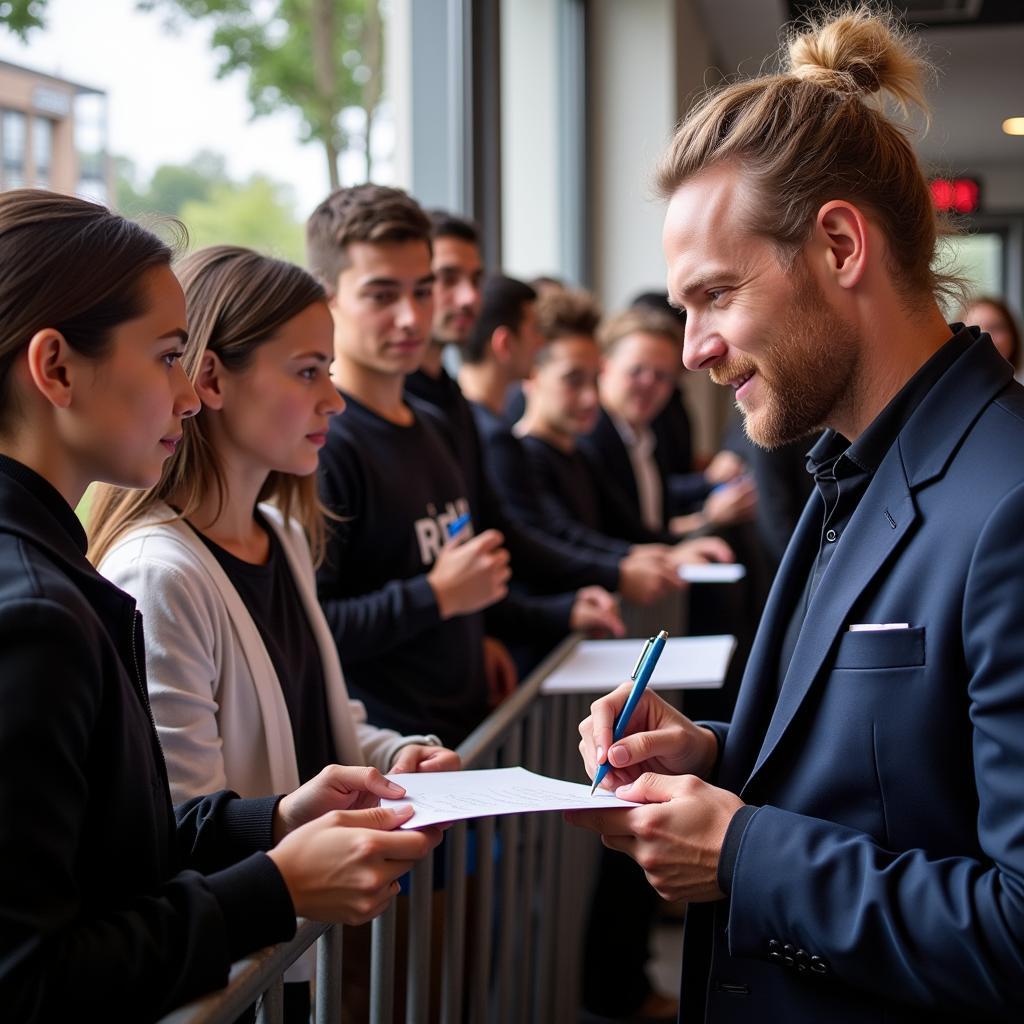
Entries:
{"x":458,"y":300}
{"x":567,"y":589}
{"x":499,"y":352}
{"x":113,"y":902}
{"x":402,"y":597}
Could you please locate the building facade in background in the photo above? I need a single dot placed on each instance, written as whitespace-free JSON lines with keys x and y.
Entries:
{"x":53,"y":134}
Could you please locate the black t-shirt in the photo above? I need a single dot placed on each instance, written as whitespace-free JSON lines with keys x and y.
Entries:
{"x":397,"y":489}
{"x":572,"y":489}
{"x":524,"y":495}
{"x":542,"y":562}
{"x":271,"y":597}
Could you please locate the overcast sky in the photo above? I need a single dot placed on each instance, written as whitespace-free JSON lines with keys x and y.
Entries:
{"x":165,"y":102}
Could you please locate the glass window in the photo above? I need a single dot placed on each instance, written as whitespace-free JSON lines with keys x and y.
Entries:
{"x":979,"y":258}
{"x":42,"y":149}
{"x":14,"y":132}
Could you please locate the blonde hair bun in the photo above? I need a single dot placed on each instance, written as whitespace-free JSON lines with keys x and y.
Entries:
{"x":862,"y":53}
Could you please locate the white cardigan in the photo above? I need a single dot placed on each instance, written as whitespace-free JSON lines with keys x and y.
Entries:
{"x":218,"y":705}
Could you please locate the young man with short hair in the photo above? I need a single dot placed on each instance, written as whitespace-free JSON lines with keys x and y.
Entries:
{"x":403,"y":600}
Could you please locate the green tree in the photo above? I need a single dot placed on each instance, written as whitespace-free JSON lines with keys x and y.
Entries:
{"x":21,"y":16}
{"x":258,"y":214}
{"x":316,"y":56}
{"x":171,"y":186}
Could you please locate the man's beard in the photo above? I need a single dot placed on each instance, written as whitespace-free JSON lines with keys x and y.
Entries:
{"x":807,"y":369}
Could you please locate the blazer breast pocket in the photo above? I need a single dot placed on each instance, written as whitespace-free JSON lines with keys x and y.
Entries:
{"x":886,"y":648}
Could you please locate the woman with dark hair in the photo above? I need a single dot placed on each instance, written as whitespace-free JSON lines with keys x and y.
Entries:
{"x":993,"y":316}
{"x":113,"y":903}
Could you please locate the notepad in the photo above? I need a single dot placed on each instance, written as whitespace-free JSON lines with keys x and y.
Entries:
{"x":688,"y":662}
{"x":713,"y":572}
{"x":439,"y":797}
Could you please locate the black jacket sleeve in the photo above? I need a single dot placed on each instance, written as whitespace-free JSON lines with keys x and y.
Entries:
{"x":71,"y":948}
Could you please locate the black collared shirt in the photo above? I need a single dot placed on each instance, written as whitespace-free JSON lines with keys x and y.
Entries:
{"x":842,"y":472}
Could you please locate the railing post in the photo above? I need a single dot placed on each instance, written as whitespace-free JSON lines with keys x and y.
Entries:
{"x":270,"y":1009}
{"x":417,"y":996}
{"x":530,"y":913}
{"x":510,"y":907}
{"x":328,"y":976}
{"x":454,"y":926}
{"x":479,"y":989}
{"x":382,"y":967}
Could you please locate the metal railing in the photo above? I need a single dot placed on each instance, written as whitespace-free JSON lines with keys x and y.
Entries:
{"x":513,"y":900}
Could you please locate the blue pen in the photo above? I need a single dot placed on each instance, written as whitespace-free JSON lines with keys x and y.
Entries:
{"x":457,"y":524}
{"x":641,"y":676}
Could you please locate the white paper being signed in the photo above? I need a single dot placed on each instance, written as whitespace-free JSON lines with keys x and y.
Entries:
{"x":455,"y":796}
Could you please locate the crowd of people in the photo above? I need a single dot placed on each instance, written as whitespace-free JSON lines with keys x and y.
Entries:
{"x":318,"y":555}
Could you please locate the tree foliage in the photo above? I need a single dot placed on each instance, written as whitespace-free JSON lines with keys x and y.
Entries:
{"x":21,"y":16}
{"x":315,"y":56}
{"x":257,"y":213}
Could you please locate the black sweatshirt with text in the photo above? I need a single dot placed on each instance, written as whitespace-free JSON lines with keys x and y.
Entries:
{"x":396,"y":489}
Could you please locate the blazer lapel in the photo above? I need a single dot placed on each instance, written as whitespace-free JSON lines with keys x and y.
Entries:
{"x":882,"y":519}
{"x":759,"y":687}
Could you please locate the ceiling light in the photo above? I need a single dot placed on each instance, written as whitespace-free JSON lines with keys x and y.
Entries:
{"x":1014,"y":126}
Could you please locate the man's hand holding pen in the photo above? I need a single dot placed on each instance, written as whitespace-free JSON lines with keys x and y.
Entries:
{"x":661,"y":762}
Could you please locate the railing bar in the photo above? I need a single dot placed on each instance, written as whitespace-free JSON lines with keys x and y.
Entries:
{"x":421,"y":883}
{"x":554,"y":722}
{"x":382,"y":967}
{"x":568,"y":878}
{"x":510,"y":906}
{"x":531,"y":889}
{"x":454,"y":926}
{"x":270,"y":1009}
{"x":328,"y":976}
{"x":481,"y":966}
{"x":247,"y":980}
{"x":493,"y":728}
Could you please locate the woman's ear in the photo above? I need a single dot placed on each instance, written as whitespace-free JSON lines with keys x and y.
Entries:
{"x":209,"y":383}
{"x":50,"y":366}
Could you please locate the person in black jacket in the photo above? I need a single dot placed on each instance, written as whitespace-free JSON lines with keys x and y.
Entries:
{"x":642,"y":350}
{"x":568,"y":590}
{"x":458,"y":303}
{"x":114,"y":904}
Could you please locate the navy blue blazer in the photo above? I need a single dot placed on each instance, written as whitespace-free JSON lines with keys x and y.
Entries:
{"x":882,"y":878}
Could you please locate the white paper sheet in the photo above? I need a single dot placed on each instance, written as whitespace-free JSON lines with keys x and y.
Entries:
{"x":713,"y":572}
{"x":454,"y":796}
{"x":688,"y":662}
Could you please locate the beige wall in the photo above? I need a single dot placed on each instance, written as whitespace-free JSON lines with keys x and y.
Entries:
{"x":649,"y":59}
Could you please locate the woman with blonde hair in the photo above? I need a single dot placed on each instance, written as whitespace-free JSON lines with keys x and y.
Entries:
{"x":113,"y":903}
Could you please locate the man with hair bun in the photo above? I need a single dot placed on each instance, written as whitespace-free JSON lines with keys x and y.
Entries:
{"x":852,"y":844}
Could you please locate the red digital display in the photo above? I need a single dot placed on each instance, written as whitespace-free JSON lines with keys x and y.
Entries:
{"x":956,"y":195}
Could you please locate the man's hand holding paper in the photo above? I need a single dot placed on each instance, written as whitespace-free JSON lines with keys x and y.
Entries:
{"x":677,"y":835}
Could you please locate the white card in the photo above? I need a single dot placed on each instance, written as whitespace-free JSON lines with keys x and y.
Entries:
{"x":455,"y":796}
{"x":713,"y":572}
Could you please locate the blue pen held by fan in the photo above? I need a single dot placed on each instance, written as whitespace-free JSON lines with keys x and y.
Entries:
{"x":641,"y":677}
{"x":457,"y":524}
